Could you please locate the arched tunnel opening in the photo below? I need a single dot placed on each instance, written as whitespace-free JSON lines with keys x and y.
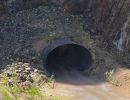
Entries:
{"x":68,"y":56}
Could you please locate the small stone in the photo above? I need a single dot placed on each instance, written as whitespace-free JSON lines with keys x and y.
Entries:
{"x":27,"y":64}
{"x":30,"y":79}
{"x":20,"y":63}
{"x":10,"y":83}
{"x":21,"y":69}
{"x":27,"y":72}
{"x":28,"y":69}
{"x":16,"y":66}
{"x":17,"y":71}
{"x":35,"y":70}
{"x":8,"y":74}
{"x":25,"y":85}
{"x":23,"y":78}
{"x":32,"y":74}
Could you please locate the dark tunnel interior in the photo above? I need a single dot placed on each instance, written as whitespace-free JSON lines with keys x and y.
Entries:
{"x":69,"y":57}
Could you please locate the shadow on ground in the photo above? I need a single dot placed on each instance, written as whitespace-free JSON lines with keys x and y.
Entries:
{"x":75,"y":77}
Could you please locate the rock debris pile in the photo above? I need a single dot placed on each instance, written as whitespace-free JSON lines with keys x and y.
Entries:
{"x":23,"y":75}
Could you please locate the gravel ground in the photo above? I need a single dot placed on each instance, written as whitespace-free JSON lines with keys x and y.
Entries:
{"x":17,"y":32}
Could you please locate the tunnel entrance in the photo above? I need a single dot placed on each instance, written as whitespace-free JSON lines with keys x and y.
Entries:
{"x":67,"y":56}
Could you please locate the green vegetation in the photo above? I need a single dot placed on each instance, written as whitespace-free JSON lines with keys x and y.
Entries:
{"x":109,"y":77}
{"x":12,"y":88}
{"x":6,"y":96}
{"x":14,"y":91}
{"x":4,"y":93}
{"x":33,"y":91}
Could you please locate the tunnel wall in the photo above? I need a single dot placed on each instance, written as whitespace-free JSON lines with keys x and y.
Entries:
{"x":58,"y":43}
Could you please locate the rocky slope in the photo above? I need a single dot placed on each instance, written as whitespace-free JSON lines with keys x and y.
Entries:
{"x":107,"y":18}
{"x":108,"y":23}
